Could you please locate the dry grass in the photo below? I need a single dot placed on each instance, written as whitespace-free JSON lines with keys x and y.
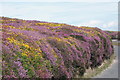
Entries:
{"x":116,"y":43}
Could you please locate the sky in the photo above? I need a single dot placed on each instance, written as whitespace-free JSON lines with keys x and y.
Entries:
{"x":59,"y":1}
{"x":103,"y":15}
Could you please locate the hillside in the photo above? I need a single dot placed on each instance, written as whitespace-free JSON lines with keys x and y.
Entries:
{"x":42,"y":49}
{"x":114,"y":34}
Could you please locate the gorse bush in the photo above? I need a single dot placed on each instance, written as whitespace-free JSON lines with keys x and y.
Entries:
{"x":51,"y":50}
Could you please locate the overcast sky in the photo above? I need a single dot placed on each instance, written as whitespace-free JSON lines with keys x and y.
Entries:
{"x":59,"y":0}
{"x":103,"y":15}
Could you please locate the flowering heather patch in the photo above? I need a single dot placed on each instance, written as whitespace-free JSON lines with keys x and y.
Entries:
{"x":46,"y":50}
{"x":114,"y":34}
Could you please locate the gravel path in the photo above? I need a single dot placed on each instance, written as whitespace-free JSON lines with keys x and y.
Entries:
{"x":112,"y":70}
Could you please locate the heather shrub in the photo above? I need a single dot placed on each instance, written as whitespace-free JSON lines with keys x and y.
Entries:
{"x":51,"y":50}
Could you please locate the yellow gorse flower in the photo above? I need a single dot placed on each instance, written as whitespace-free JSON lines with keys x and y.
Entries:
{"x":23,"y":54}
{"x":58,"y":38}
{"x":27,"y":46}
{"x":49,"y":24}
{"x":11,"y":40}
{"x":39,"y":53}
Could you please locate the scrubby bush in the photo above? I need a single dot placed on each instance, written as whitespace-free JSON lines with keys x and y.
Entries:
{"x":51,"y":50}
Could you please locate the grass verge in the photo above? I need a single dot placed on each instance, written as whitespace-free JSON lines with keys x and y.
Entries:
{"x":91,"y":73}
{"x":116,"y":43}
